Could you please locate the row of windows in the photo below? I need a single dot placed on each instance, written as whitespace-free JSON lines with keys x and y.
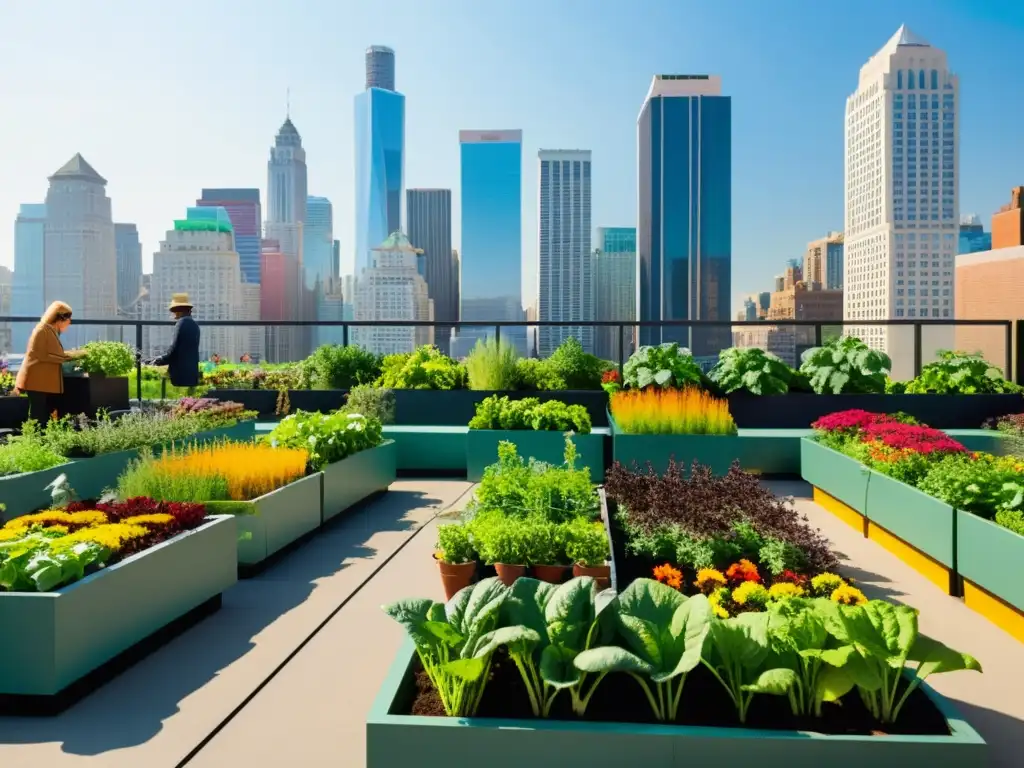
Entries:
{"x":920,"y":79}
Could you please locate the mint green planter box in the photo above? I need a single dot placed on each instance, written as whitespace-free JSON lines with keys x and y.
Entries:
{"x":52,"y":639}
{"x":429,"y":742}
{"x":835,"y":473}
{"x":352,"y":479}
{"x":429,"y":449}
{"x":547,"y":446}
{"x":990,"y":556}
{"x":92,"y":476}
{"x":275,"y":520}
{"x":25,"y":493}
{"x":918,"y":519}
{"x":986,"y":440}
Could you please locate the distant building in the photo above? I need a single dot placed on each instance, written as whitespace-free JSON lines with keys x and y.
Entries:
{"x":429,"y":213}
{"x":1008,"y":222}
{"x":27,"y":287}
{"x":6,"y":278}
{"x":823,"y":261}
{"x":318,"y":268}
{"x":973,"y":237}
{"x":380,"y":67}
{"x":615,"y":290}
{"x":798,"y":300}
{"x":749,"y":311}
{"x":129,"y":270}
{"x":243,"y":207}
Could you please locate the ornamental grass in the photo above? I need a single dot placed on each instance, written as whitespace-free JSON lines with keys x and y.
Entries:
{"x":222,"y":471}
{"x":687,"y":411}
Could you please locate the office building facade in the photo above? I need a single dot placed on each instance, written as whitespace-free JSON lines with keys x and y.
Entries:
{"x":243,"y":206}
{"x":823,"y":262}
{"x":27,"y":285}
{"x":615,"y":290}
{"x":129,"y":270}
{"x":429,"y":213}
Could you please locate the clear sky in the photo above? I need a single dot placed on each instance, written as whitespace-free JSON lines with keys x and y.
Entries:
{"x":165,"y":98}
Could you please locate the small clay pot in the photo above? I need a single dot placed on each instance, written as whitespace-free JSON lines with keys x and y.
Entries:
{"x":509,"y":573}
{"x":455,"y":576}
{"x":602,"y":574}
{"x":552,"y":574}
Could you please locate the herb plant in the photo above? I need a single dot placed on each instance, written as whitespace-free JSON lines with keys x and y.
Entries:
{"x":532,"y":373}
{"x":668,"y":366}
{"x":326,"y":437}
{"x":586,"y":543}
{"x":846,"y":365}
{"x":426,"y":368}
{"x":752,"y":370}
{"x":372,"y":402}
{"x":333,"y":366}
{"x":576,"y":367}
{"x":499,"y":412}
{"x":957,"y":373}
{"x":106,"y":358}
{"x":453,"y":544}
{"x":492,"y":365}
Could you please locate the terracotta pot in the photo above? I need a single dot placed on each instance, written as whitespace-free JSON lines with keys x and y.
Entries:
{"x":553,"y":574}
{"x":602,"y":574}
{"x":455,"y":576}
{"x":509,"y":573}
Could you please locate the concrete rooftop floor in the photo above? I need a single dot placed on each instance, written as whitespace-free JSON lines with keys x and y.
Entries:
{"x":285,"y":673}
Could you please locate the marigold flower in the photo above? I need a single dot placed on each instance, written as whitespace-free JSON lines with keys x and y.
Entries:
{"x":715,"y":600}
{"x":709,"y":579}
{"x":782,"y":590}
{"x":744,"y":570}
{"x":666,"y":574}
{"x":826,"y":583}
{"x":10,"y":534}
{"x":58,"y":517}
{"x":750,"y":594}
{"x":155,"y":519}
{"x":792,"y":577}
{"x":112,"y":536}
{"x":847,"y":595}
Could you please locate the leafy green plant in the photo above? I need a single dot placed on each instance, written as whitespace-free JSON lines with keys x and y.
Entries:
{"x":982,"y":485}
{"x":751,"y":369}
{"x":453,"y":544}
{"x":501,"y":539}
{"x":106,"y":358}
{"x":25,"y":568}
{"x":334,"y":366}
{"x":535,"y":374}
{"x":846,"y":366}
{"x":546,"y":542}
{"x":739,"y":657}
{"x":28,"y":452}
{"x":798,"y":638}
{"x":499,"y":412}
{"x":667,"y":366}
{"x":662,"y":635}
{"x":493,"y":365}
{"x":426,"y":368}
{"x":586,"y":543}
{"x":328,"y":437}
{"x":577,"y":368}
{"x":449,"y":640}
{"x":958,"y":373}
{"x":373,"y":402}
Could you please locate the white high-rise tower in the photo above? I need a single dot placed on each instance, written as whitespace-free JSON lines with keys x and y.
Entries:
{"x":902,"y":197}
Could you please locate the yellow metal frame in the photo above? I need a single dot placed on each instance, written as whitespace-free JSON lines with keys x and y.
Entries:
{"x":999,"y":612}
{"x":848,"y":515}
{"x":931,"y":569}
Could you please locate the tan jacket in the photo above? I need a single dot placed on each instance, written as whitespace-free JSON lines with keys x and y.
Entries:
{"x":41,"y":369}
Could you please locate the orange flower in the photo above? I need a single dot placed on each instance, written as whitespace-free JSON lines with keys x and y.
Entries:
{"x":742,"y":571}
{"x":687,"y":411}
{"x":666,"y":574}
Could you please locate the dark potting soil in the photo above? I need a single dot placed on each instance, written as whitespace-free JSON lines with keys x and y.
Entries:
{"x":704,"y":702}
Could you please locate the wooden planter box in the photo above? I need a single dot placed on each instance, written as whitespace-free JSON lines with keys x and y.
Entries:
{"x":429,"y":742}
{"x":838,"y":476}
{"x":273,"y":521}
{"x":57,"y":638}
{"x":349,"y":481}
{"x":989,"y":559}
{"x":547,"y":446}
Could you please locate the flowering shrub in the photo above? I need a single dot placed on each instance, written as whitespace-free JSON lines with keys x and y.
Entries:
{"x":656,"y":411}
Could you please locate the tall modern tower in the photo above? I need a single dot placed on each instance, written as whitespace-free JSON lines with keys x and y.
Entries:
{"x":491,"y":255}
{"x":29,"y":274}
{"x":902,"y":197}
{"x":81,"y":261}
{"x":243,"y":206}
{"x":318,"y":267}
{"x":615,"y":290}
{"x":429,"y":212}
{"x":565,"y":280}
{"x":684,"y":232}
{"x":380,"y":156}
{"x":129,"y":270}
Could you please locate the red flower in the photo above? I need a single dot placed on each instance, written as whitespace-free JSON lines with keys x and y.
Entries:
{"x":911,"y":437}
{"x":610,"y":377}
{"x":852,"y":420}
{"x":742,"y":571}
{"x":791,"y":577}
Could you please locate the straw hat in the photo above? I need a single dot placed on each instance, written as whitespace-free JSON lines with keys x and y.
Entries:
{"x":179,"y":301}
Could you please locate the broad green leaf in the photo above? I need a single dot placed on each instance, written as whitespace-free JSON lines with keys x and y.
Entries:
{"x":687,"y":632}
{"x":936,"y":657}
{"x":525,"y":605}
{"x":662,"y":377}
{"x":557,"y":668}
{"x":519,"y":639}
{"x":775,"y":682}
{"x":569,"y":612}
{"x":740,"y":641}
{"x":46,"y":575}
{"x":610,"y":658}
{"x":412,"y":613}
{"x":468,"y":670}
{"x":444,"y":632}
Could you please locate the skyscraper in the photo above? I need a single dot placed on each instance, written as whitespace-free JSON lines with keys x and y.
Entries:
{"x":902,"y":206}
{"x":129,"y":269}
{"x":380,"y":155}
{"x":823,"y":261}
{"x":243,"y":206}
{"x":491,"y":255}
{"x":684,"y":232}
{"x":27,"y":283}
{"x":318,"y":266}
{"x":565,"y":279}
{"x":81,"y":261}
{"x":6,"y":278}
{"x":430,"y":228}
{"x":615,"y":289}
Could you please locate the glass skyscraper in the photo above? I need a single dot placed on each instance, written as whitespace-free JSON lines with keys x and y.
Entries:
{"x":614,"y":289}
{"x":491,"y":255}
{"x":27,"y":283}
{"x":429,"y":214}
{"x":380,"y":156}
{"x":684,"y":237}
{"x":243,"y":206}
{"x":129,"y":270}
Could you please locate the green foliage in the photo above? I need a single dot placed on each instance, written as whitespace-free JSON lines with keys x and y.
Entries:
{"x":144,"y":477}
{"x":454,"y":545}
{"x":984,"y":486}
{"x":957,"y":373}
{"x":28,"y":452}
{"x":372,"y":402}
{"x":1012,"y":520}
{"x":547,"y":541}
{"x":328,"y":437}
{"x":535,"y":374}
{"x":496,"y":412}
{"x":577,"y":368}
{"x":426,"y":368}
{"x":107,"y":358}
{"x":668,"y":366}
{"x":492,"y":365}
{"x":751,"y":369}
{"x":895,"y":387}
{"x":846,"y":366}
{"x":333,"y":366}
{"x":501,"y":539}
{"x":586,"y":543}
{"x":27,"y":567}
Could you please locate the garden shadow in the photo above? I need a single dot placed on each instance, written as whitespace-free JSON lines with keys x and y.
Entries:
{"x":1002,"y":732}
{"x":131,"y":709}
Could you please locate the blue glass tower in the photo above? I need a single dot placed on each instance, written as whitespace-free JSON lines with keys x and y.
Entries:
{"x":491,"y":256}
{"x":684,"y":233}
{"x":27,"y":284}
{"x":380,"y":160}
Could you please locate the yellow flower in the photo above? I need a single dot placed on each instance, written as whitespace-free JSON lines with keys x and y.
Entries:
{"x":847,"y":595}
{"x":715,"y":600}
{"x":155,"y":518}
{"x":709,"y":579}
{"x":112,"y":536}
{"x":57,"y":517}
{"x":826,"y":583}
{"x":750,"y":593}
{"x":10,"y":534}
{"x":785,"y":589}
{"x":56,"y":529}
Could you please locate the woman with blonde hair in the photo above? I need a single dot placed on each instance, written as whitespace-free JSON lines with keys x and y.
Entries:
{"x":40,"y":376}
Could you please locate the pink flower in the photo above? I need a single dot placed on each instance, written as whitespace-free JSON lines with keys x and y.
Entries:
{"x":853,"y":419}
{"x":911,"y":437}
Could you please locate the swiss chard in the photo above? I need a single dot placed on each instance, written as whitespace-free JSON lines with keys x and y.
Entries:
{"x":740,"y":658}
{"x":798,"y":637}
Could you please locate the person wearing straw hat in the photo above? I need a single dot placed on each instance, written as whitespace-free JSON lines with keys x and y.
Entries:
{"x":182,"y":357}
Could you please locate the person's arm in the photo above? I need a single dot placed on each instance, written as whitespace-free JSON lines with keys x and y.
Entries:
{"x":46,"y":346}
{"x":172,"y":350}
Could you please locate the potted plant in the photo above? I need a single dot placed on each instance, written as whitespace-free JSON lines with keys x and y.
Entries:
{"x":502,"y":542}
{"x":106,"y":365}
{"x":586,"y":544}
{"x":454,"y":557}
{"x":547,"y":552}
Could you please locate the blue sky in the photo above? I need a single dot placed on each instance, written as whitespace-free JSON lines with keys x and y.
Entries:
{"x":164,"y":99}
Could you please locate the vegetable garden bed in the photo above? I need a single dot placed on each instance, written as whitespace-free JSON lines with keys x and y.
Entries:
{"x":349,"y":481}
{"x":402,"y":729}
{"x":544,"y":445}
{"x":988,"y":560}
{"x":65,"y":636}
{"x":271,"y":522}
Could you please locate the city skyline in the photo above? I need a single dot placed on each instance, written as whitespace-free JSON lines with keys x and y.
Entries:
{"x":781,"y":218}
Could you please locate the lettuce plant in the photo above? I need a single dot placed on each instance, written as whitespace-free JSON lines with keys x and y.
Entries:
{"x":798,"y":637}
{"x":106,"y":358}
{"x":327,"y":437}
{"x":846,"y":365}
{"x":740,"y":658}
{"x":450,"y":641}
{"x":957,"y":373}
{"x":668,"y":366}
{"x":751,"y":369}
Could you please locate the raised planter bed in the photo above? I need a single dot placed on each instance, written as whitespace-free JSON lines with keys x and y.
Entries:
{"x":837,"y":476}
{"x":64,"y":637}
{"x":27,"y":492}
{"x":89,"y":394}
{"x":271,"y":522}
{"x":415,"y":407}
{"x":547,"y":446}
{"x":349,"y":481}
{"x":797,"y":410}
{"x":988,"y":559}
{"x":429,"y":450}
{"x":396,"y":738}
{"x":13,"y":411}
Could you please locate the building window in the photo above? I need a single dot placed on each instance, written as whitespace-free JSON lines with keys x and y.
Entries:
{"x":899,"y":78}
